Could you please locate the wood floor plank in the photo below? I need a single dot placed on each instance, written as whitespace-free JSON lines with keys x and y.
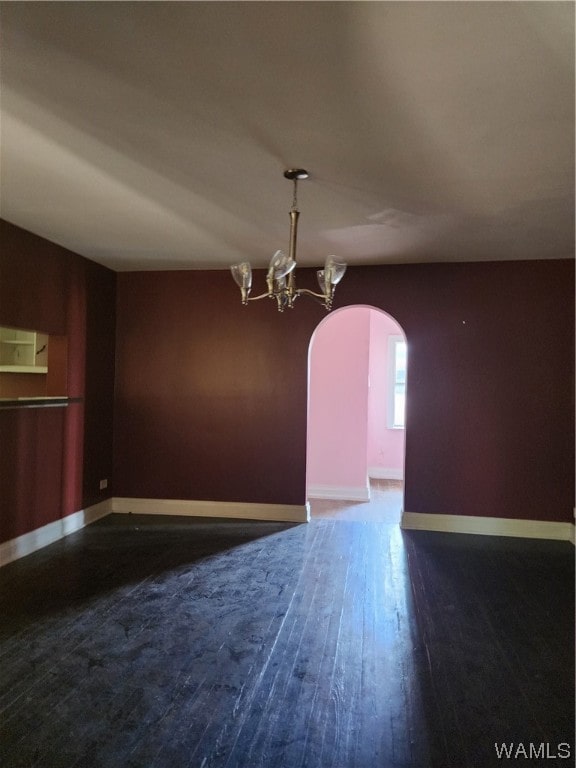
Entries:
{"x":345,"y":643}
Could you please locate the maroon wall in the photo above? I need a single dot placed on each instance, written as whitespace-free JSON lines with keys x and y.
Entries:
{"x":52,"y":458}
{"x":211,"y":396}
{"x":31,"y":450}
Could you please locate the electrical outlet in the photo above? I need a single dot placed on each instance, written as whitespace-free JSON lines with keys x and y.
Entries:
{"x":103,"y":484}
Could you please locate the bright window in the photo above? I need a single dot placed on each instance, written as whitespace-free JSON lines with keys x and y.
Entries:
{"x":397,"y":355}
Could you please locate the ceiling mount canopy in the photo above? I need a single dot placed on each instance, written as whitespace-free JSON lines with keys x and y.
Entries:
{"x":296,"y":174}
{"x":281,"y":278}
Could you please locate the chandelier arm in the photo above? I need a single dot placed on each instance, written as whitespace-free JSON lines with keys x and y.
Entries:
{"x":319,"y":298}
{"x":261,"y":296}
{"x":300,"y":291}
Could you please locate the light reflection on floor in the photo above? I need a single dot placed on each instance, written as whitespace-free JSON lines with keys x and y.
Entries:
{"x":385,"y":505}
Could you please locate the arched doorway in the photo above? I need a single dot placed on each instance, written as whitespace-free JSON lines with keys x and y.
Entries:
{"x":355,"y":428}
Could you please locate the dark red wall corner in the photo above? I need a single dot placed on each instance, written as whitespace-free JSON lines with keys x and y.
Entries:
{"x":45,"y":287}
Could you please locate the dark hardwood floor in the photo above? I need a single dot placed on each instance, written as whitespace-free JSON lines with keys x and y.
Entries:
{"x":167,"y":642}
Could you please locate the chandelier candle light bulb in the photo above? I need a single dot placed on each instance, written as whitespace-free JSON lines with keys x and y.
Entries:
{"x":281,"y":278}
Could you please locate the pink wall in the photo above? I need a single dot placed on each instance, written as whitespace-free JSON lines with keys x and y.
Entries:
{"x":385,"y":446}
{"x":347,"y":427}
{"x":338,"y":406}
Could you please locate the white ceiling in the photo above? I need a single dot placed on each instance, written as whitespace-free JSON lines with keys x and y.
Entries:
{"x":154,"y":135}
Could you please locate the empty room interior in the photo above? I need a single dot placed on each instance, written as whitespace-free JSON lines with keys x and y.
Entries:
{"x":287,"y":458}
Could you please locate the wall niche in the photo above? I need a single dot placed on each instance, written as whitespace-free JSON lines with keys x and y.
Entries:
{"x":33,"y":364}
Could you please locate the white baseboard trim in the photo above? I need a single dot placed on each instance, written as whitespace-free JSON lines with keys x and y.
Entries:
{"x":339,"y":493}
{"x":490,"y":526}
{"x":283,"y":513}
{"x":385,"y":473}
{"x":487,"y":526}
{"x":30,"y":542}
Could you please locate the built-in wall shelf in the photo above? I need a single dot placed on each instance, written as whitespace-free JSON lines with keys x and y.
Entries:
{"x":23,"y":351}
{"x":23,"y":369}
{"x":37,"y":402}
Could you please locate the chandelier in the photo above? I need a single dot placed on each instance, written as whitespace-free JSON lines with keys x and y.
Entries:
{"x":281,"y":278}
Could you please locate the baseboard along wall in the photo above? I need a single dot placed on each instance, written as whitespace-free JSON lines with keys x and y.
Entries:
{"x":48,"y":534}
{"x":339,"y":492}
{"x":385,"y":473}
{"x":291,"y":513}
{"x":487,"y":526}
{"x":286,"y":513}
